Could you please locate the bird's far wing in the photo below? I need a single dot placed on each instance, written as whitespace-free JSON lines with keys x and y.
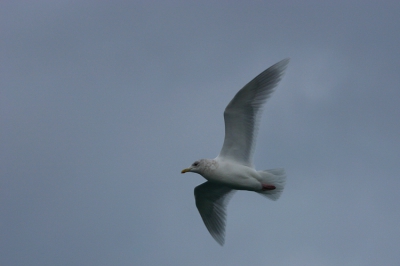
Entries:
{"x":211,"y":201}
{"x":243,"y":112}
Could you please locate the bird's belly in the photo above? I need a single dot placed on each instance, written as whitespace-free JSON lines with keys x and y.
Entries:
{"x":241,"y":178}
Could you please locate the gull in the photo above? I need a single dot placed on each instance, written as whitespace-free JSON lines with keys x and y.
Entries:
{"x":233,"y":168}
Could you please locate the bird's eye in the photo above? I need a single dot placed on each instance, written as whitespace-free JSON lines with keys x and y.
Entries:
{"x":195,"y":163}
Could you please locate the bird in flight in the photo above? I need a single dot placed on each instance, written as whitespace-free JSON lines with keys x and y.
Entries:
{"x":233,"y":168}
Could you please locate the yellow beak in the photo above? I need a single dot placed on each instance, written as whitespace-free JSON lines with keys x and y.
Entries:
{"x":185,"y":170}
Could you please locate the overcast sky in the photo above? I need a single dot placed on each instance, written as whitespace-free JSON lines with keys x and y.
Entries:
{"x":103,"y":103}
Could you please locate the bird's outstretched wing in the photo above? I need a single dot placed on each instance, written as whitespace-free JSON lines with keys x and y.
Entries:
{"x":211,"y":201}
{"x":243,"y":113}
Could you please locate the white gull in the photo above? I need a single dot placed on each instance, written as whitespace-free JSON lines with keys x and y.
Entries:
{"x":233,"y":169}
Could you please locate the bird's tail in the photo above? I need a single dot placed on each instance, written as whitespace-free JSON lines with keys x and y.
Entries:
{"x":275,"y":177}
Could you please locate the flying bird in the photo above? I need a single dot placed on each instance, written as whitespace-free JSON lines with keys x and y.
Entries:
{"x":233,"y":168}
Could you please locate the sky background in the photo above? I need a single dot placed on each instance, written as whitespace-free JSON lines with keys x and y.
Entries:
{"x":103,"y":103}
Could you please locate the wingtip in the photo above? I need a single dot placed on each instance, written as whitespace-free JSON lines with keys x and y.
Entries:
{"x":219,"y":240}
{"x":282,"y":64}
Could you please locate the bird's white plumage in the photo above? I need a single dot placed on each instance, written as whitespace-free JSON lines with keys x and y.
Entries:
{"x":233,"y":169}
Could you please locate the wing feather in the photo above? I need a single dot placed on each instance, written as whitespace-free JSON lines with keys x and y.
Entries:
{"x":211,"y":201}
{"x":243,"y":113}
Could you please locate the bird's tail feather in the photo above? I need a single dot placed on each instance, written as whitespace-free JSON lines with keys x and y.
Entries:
{"x":276,"y":177}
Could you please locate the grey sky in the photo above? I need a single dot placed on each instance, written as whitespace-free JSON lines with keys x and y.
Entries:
{"x":103,"y":103}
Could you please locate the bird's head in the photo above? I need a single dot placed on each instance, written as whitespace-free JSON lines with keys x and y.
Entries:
{"x":196,"y":167}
